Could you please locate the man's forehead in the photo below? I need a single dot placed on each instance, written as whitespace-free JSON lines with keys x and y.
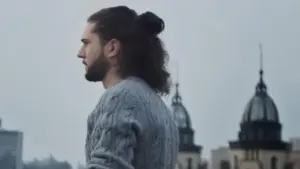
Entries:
{"x":88,"y":30}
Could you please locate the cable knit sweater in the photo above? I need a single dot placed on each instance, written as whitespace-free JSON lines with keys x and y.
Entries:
{"x":131,"y":128}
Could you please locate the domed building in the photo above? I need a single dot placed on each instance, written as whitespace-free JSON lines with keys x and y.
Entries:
{"x":189,"y":156}
{"x":259,"y":144}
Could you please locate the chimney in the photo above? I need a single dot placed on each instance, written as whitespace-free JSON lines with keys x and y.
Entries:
{"x":0,"y":123}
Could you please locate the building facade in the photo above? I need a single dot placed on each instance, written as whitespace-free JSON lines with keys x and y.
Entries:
{"x":259,"y":144}
{"x":189,"y":156}
{"x":220,"y":158}
{"x":11,"y":149}
{"x":295,"y":143}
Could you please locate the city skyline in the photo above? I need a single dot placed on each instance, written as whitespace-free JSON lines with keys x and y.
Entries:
{"x":44,"y":93}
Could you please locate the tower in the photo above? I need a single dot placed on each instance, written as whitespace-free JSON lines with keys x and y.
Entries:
{"x":11,"y":149}
{"x":189,"y":153}
{"x":259,"y":144}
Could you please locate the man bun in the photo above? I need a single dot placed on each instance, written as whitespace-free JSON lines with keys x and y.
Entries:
{"x":151,"y":23}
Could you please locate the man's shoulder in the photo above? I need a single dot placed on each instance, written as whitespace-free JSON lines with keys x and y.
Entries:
{"x":129,"y":88}
{"x":127,"y":92}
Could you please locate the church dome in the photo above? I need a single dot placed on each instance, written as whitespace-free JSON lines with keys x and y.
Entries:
{"x":180,"y":113}
{"x":260,"y":127}
{"x":261,"y":106}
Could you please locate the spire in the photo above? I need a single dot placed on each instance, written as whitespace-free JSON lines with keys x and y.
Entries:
{"x":176,"y":98}
{"x":261,"y":71}
{"x":177,"y":71}
{"x":180,"y":113}
{"x":261,"y":86}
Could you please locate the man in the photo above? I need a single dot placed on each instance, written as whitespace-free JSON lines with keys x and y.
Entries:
{"x":131,"y":127}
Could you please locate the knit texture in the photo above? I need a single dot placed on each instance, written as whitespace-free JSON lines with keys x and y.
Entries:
{"x":131,"y":128}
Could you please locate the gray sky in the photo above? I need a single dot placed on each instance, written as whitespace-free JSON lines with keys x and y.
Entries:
{"x":43,"y":91}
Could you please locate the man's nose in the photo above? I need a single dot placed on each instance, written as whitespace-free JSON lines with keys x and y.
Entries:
{"x":81,"y":54}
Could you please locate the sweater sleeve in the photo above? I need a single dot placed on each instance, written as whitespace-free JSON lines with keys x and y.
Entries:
{"x":116,"y":131}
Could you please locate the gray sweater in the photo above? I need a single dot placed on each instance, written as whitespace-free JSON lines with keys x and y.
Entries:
{"x":131,"y":128}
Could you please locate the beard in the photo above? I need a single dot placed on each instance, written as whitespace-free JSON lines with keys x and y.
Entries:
{"x":97,"y":71}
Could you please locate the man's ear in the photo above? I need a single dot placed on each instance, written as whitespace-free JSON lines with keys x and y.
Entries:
{"x":112,"y":48}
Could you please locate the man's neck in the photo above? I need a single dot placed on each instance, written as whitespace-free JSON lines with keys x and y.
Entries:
{"x":110,"y":80}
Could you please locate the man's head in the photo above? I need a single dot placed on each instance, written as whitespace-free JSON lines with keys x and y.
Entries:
{"x":119,"y":42}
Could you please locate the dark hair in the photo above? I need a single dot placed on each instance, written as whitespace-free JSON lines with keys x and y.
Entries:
{"x":142,"y":52}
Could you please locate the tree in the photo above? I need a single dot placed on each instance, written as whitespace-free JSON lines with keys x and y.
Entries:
{"x":49,"y":163}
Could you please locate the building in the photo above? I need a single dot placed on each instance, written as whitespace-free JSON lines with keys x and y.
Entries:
{"x":295,"y":143}
{"x":189,"y":156}
{"x":259,"y":143}
{"x":219,"y":158}
{"x":11,"y":148}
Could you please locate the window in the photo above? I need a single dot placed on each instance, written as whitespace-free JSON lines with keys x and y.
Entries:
{"x":190,"y":162}
{"x":247,"y":154}
{"x":252,"y":154}
{"x":235,"y":162}
{"x":186,"y":139}
{"x":273,"y":162}
{"x":224,"y":164}
{"x":251,"y":135}
{"x":260,"y":134}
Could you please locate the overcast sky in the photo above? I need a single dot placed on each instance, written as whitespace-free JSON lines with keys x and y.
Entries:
{"x":44,"y":93}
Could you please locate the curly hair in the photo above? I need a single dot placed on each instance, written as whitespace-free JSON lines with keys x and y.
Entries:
{"x":142,"y":51}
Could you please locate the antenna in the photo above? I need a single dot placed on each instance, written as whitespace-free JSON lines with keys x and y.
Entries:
{"x":261,"y":86}
{"x":176,"y":97}
{"x":261,"y":56}
{"x":177,"y":71}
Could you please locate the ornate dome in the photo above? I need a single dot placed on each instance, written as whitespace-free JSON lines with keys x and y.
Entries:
{"x":260,"y":128}
{"x":180,"y":113}
{"x":261,"y":106}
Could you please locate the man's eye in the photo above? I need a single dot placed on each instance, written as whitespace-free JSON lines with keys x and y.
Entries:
{"x":84,"y":41}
